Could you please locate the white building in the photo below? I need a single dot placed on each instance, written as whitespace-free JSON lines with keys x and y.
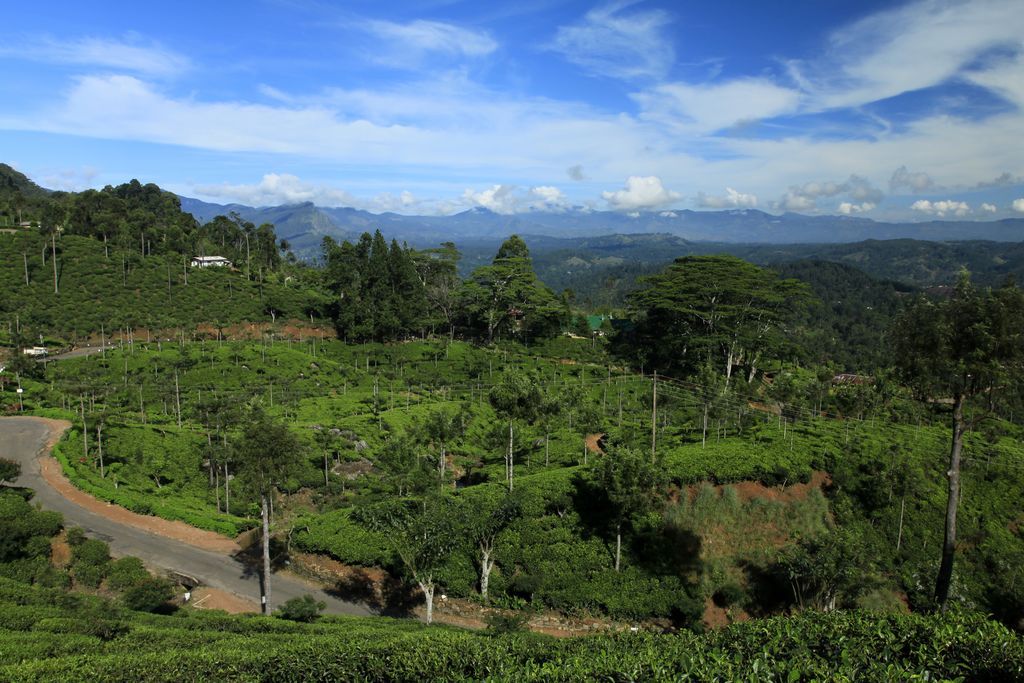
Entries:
{"x":205,"y":261}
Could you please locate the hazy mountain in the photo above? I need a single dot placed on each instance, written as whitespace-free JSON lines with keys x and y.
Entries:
{"x":305,"y":225}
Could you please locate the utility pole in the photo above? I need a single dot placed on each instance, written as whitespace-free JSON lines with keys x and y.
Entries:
{"x":654,"y":417}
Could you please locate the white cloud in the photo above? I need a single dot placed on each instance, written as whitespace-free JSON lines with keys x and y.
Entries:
{"x":712,"y":107}
{"x":548,"y":197}
{"x":497,"y":198}
{"x":915,"y":182}
{"x":414,"y":40}
{"x":275,"y":189}
{"x":69,"y":180}
{"x":128,"y":55}
{"x":805,"y":197}
{"x":908,"y":48}
{"x":731,"y":199}
{"x":1018,"y":205}
{"x":942,"y":207}
{"x":989,"y":208}
{"x":848,"y":209}
{"x":640,"y":193}
{"x":609,"y":41}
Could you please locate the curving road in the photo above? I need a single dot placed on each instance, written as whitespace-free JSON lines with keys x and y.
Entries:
{"x":24,"y":439}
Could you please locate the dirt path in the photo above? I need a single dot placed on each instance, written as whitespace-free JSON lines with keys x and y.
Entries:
{"x":53,"y":474}
{"x":593,"y":442}
{"x":172,"y":546}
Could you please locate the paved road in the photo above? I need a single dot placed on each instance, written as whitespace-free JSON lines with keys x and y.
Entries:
{"x":23,"y":439}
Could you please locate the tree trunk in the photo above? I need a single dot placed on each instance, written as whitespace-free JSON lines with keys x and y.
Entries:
{"x":486,"y":564}
{"x":428,"y":594}
{"x":618,"y":546}
{"x":265,"y":598}
{"x":99,"y":445}
{"x":327,"y":482}
{"x":509,"y":464}
{"x":899,"y":534}
{"x":53,"y":252}
{"x":945,"y":577}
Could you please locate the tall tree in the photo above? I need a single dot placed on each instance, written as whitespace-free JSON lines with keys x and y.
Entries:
{"x":516,"y":397}
{"x":485,"y":520}
{"x":968,"y":349}
{"x":268,"y":453}
{"x":422,"y":534}
{"x":628,"y":483}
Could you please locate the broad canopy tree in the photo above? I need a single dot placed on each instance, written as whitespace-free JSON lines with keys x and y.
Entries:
{"x":703,"y":308}
{"x":968,"y":349}
{"x":507,"y":296}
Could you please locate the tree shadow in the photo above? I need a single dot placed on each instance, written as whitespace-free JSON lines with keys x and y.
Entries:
{"x":769,"y":589}
{"x":388,"y":597}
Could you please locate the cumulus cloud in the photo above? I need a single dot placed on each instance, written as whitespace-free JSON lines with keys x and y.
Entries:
{"x":385,"y":201}
{"x":611,"y":41}
{"x":497,"y":198}
{"x":989,"y":208}
{"x":805,"y":197}
{"x":275,"y":188}
{"x":848,"y":208}
{"x":133,"y":55}
{"x":942,"y":207}
{"x":732,"y":199}
{"x":640,"y":192}
{"x":1018,"y":205}
{"x":547,"y":197}
{"x":915,"y":182}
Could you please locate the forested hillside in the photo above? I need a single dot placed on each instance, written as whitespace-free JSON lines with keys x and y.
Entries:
{"x":458,"y":441}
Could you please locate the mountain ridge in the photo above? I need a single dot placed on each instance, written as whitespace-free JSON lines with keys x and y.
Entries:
{"x":305,"y":225}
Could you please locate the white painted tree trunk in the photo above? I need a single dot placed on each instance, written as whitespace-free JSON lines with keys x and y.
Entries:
{"x":428,"y":594}
{"x":486,"y":565}
{"x":265,"y":511}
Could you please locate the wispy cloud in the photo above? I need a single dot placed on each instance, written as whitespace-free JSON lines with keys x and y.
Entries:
{"x":274,"y":189}
{"x":909,"y":48}
{"x":613,"y":40}
{"x":406,"y":45}
{"x":712,"y":107}
{"x":134,"y":54}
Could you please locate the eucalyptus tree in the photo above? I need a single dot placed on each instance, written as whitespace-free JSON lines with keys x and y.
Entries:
{"x":422,"y":533}
{"x":516,"y":397}
{"x":268,"y":454}
{"x":967,"y":350}
{"x":627,"y":483}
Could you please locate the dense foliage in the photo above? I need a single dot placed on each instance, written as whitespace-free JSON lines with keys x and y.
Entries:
{"x":45,"y":638}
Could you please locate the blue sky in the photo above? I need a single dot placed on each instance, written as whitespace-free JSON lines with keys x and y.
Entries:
{"x":881,"y":109}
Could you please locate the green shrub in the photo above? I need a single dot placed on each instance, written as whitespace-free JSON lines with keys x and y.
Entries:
{"x":148,"y":595}
{"x":305,"y":609}
{"x":125,"y":573}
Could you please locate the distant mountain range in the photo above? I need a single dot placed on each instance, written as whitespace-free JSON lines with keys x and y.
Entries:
{"x":305,"y":225}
